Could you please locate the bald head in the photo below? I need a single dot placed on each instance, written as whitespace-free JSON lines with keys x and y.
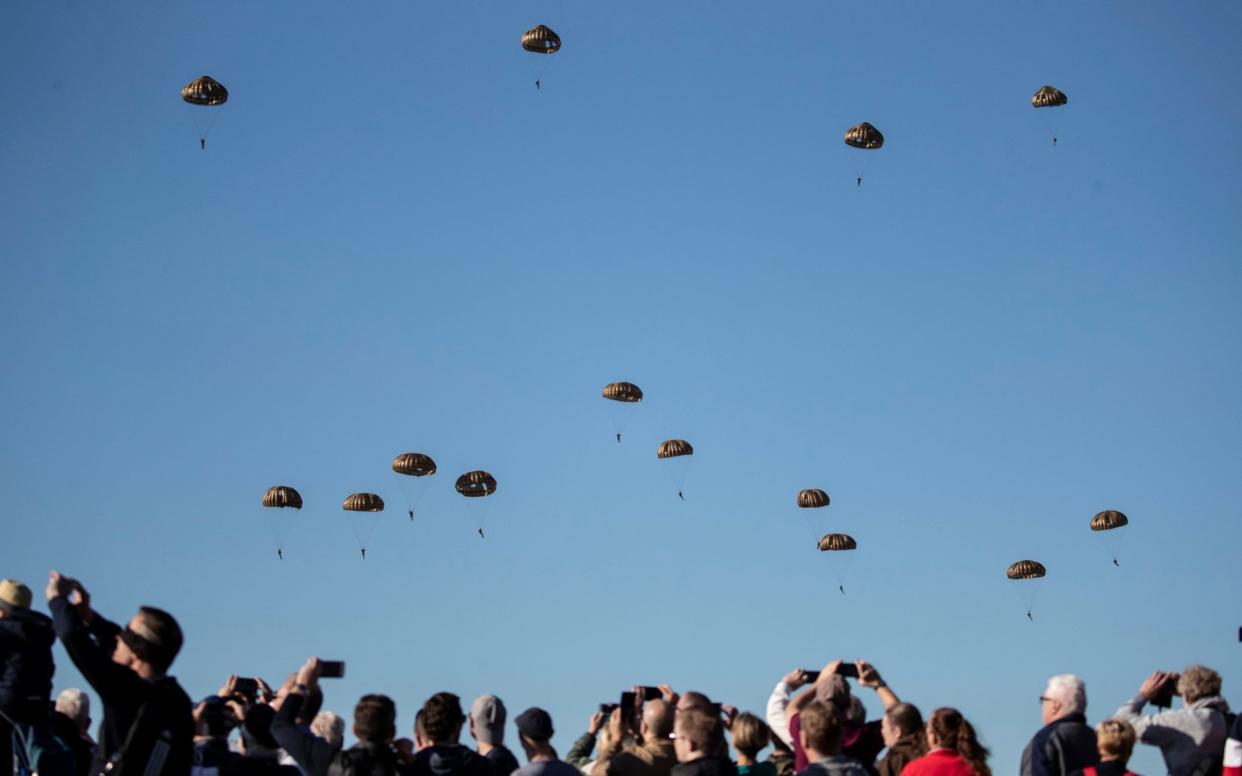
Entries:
{"x":657,"y":719}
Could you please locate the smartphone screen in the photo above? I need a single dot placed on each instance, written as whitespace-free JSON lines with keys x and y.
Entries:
{"x":848,"y":670}
{"x":651,"y":693}
{"x":331,"y":669}
{"x":627,"y":708}
{"x":810,"y":676}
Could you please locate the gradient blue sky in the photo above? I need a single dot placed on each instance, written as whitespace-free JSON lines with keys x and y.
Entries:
{"x":393,"y":242}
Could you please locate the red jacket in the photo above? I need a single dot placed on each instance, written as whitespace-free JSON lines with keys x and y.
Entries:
{"x":939,"y":762}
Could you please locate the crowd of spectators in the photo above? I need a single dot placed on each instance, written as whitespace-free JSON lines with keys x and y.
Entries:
{"x":813,"y":725}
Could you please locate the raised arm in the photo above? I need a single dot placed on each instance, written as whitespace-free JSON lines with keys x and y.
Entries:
{"x":309,"y":751}
{"x":778,"y":703}
{"x":90,"y":653}
{"x":869,"y":677}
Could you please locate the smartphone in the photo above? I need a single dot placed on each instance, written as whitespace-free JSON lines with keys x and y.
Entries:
{"x":247,"y":687}
{"x":607,"y":708}
{"x":651,"y":693}
{"x":810,"y":676}
{"x":627,"y":709}
{"x":331,"y":669}
{"x":848,"y":670}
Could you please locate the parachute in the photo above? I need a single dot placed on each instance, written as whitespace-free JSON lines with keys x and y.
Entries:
{"x":840,"y":564}
{"x":278,"y":499}
{"x":1027,"y":571}
{"x":540,"y":39}
{"x":812,"y":498}
{"x":866,"y":137}
{"x":363,"y":509}
{"x":1049,"y":97}
{"x":475,"y":486}
{"x":207,"y":92}
{"x":1105,"y":525}
{"x":679,"y":451}
{"x":416,"y":467}
{"x":623,"y":398}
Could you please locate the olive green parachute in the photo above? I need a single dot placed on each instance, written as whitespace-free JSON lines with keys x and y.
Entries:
{"x":414,"y":465}
{"x":673,"y":448}
{"x":205,"y":90}
{"x":282,"y":496}
{"x":541,"y":40}
{"x":476,"y":484}
{"x":812,"y":498}
{"x":837,"y":542}
{"x":363,"y":502}
{"x":1026,"y":569}
{"x":1108,"y":520}
{"x":624,"y":392}
{"x":864,"y":136}
{"x":1048,"y":97}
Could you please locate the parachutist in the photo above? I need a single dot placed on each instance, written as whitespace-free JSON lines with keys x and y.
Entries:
{"x":364,"y":553}
{"x":1115,"y":563}
{"x":411,"y":514}
{"x":538,"y":86}
{"x":481,"y":536}
{"x":202,"y":143}
{"x":1054,"y":141}
{"x":680,"y":496}
{"x":280,"y":554}
{"x":1029,"y":617}
{"x":618,"y":439}
{"x":841,"y":588}
{"x":859,"y":182}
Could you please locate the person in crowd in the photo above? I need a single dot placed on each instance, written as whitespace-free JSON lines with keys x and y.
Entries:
{"x":778,"y":704}
{"x":535,"y":731}
{"x":651,"y":754}
{"x":487,"y":726}
{"x":148,"y":722}
{"x":1231,"y":764}
{"x":329,"y":726}
{"x":955,"y":750}
{"x":750,"y":737}
{"x":781,"y":756}
{"x":1065,"y":743}
{"x":819,"y":736}
{"x":581,"y":754}
{"x":26,"y":669}
{"x":696,"y":735}
{"x":375,"y":725}
{"x":861,"y":740}
{"x":71,"y":722}
{"x":904,"y":738}
{"x":215,"y":718}
{"x":1191,"y":737}
{"x":261,"y":752}
{"x":1114,"y":740}
{"x":444,"y":755}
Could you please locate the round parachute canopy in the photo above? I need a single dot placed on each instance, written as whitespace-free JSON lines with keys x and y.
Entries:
{"x":364,"y":502}
{"x":476,"y":484}
{"x":1108,"y":520}
{"x":812,"y":498}
{"x":673,"y":448}
{"x":282,"y":496}
{"x":414,"y":464}
{"x":205,"y":90}
{"x":1048,"y":97}
{"x":837,"y":543}
{"x":1026,"y":569}
{"x":626,"y":392}
{"x":864,"y":136}
{"x":541,"y":40}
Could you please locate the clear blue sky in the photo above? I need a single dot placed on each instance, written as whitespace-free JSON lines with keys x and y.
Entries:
{"x":394,"y":242}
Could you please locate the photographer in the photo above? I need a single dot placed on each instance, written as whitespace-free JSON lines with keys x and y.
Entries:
{"x":375,"y":725}
{"x":1190,"y":737}
{"x":148,"y":723}
{"x":651,"y":755}
{"x":861,"y":740}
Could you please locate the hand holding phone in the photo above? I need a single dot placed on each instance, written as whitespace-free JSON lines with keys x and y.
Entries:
{"x":331,"y":669}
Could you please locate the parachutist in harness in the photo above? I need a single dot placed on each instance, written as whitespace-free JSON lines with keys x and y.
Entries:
{"x":202,"y":143}
{"x":1054,"y":141}
{"x":364,"y":553}
{"x":481,"y":536}
{"x":1115,"y":563}
{"x":683,"y":498}
{"x":538,"y":86}
{"x":1028,"y":615}
{"x":411,"y":514}
{"x":618,"y":439}
{"x":841,"y":588}
{"x":859,"y":183}
{"x":280,"y":554}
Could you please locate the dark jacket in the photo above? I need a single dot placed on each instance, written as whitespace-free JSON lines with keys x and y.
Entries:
{"x":213,"y":755}
{"x":154,"y":717}
{"x":502,"y":760}
{"x":309,"y":751}
{"x":82,"y":747}
{"x":1060,"y":747}
{"x":579,"y":754}
{"x":836,"y":765}
{"x":908,"y":748}
{"x":454,"y":760}
{"x":26,"y":665}
{"x":368,"y":758}
{"x":706,"y":766}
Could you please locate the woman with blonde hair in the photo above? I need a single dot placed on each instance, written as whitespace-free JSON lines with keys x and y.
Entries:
{"x":1114,"y":738}
{"x":955,"y":750}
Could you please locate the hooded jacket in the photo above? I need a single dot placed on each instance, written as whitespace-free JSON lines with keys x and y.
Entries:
{"x":453,"y":760}
{"x":706,"y":766}
{"x":1187,"y":736}
{"x":26,"y":665}
{"x":1062,"y":746}
{"x":834,"y":765}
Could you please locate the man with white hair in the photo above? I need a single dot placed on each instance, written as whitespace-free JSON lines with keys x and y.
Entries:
{"x":1066,"y":742}
{"x":72,"y":723}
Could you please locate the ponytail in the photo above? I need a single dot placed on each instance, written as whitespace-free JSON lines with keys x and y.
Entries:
{"x":954,"y":732}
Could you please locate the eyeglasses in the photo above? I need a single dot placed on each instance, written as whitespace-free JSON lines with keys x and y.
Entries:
{"x":1044,"y":698}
